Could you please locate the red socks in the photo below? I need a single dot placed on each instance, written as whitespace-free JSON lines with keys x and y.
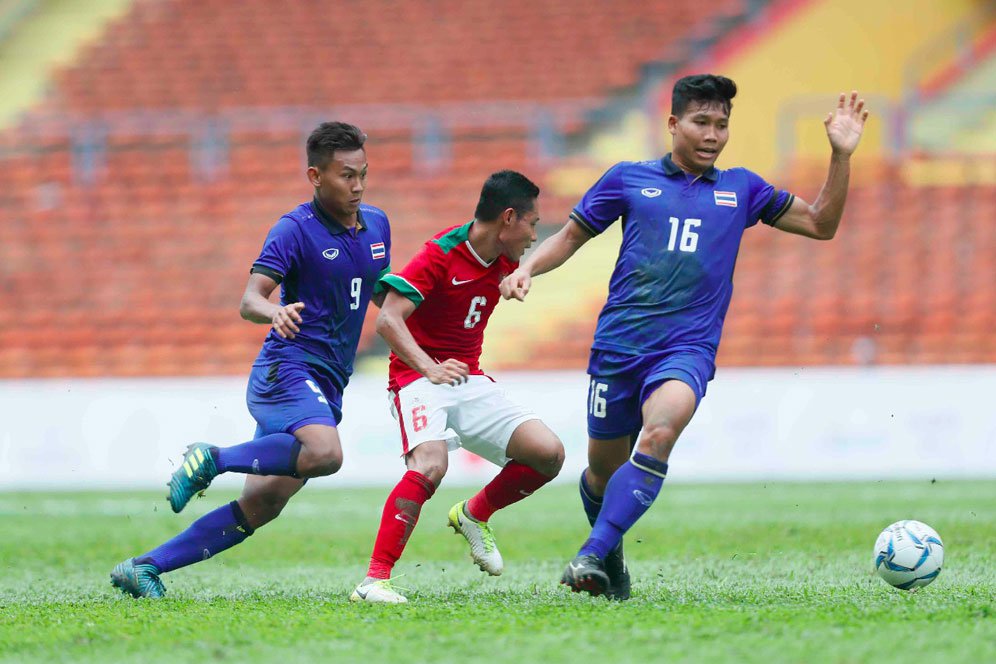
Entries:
{"x":398,"y":521}
{"x":512,"y":484}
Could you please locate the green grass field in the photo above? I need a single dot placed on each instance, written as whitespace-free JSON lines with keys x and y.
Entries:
{"x":746,"y":572}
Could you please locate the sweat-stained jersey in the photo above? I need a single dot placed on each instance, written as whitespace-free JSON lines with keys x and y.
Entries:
{"x":673,"y":279}
{"x":334,"y":271}
{"x":454,"y":292}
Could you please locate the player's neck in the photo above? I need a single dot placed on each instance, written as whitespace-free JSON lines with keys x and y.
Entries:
{"x":345,"y":219}
{"x":689,"y":170}
{"x":484,"y":239}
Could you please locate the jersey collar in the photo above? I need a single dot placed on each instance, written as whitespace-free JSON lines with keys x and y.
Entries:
{"x":671,"y":168}
{"x":330,"y":222}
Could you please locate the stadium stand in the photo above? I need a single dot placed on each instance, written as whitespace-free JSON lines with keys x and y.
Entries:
{"x":130,"y":220}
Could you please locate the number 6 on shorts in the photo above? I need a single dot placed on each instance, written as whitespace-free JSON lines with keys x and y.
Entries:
{"x":418,"y":418}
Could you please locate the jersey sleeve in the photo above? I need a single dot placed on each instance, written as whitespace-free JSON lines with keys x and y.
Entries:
{"x":767,"y":204}
{"x":603,"y":203}
{"x":418,"y":279}
{"x":280,"y":251}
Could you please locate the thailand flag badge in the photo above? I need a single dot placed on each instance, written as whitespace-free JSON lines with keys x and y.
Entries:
{"x":377,"y":250}
{"x":725,"y":198}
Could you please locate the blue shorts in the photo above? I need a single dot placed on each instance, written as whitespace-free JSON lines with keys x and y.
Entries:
{"x":285,"y":396}
{"x":621,"y":382}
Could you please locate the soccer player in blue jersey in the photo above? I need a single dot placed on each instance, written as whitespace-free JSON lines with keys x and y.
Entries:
{"x":327,"y":256}
{"x":657,"y":335}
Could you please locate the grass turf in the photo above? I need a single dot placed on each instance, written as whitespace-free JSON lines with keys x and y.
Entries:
{"x":730,"y":572}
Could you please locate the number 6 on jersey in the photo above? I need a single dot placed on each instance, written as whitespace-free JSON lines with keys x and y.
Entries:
{"x":474,"y":315}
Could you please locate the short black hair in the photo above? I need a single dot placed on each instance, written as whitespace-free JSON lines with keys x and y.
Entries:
{"x":703,"y":88}
{"x":503,"y":190}
{"x":329,"y":137}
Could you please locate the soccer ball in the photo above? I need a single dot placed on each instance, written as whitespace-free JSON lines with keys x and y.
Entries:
{"x":909,"y":554}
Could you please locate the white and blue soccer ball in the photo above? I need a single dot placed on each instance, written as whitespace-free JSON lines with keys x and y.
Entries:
{"x":909,"y":554}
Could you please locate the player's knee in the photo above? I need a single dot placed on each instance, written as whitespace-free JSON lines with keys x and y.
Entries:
{"x":433,"y":469}
{"x":552,"y":459}
{"x":657,"y":440}
{"x":430,"y":462}
{"x":329,"y":463}
{"x":319,"y":461}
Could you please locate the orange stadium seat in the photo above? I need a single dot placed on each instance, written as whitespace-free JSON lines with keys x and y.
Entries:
{"x":138,"y":270}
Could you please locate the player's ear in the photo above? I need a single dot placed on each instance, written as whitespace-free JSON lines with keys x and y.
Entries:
{"x":314,"y":176}
{"x":672,"y":124}
{"x":508,"y":216}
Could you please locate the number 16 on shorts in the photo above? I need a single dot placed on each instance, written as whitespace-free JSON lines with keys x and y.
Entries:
{"x":596,"y":398}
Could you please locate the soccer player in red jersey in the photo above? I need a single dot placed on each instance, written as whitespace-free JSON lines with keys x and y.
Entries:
{"x":433,"y":318}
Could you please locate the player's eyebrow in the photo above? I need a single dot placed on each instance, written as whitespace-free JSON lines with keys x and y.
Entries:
{"x":350,"y":169}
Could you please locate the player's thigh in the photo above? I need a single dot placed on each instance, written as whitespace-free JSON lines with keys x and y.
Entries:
{"x":264,"y":496}
{"x":666,"y":413}
{"x":284,"y":396}
{"x":485,"y":419}
{"x":535,"y":445}
{"x":423,"y":414}
{"x":614,"y":405}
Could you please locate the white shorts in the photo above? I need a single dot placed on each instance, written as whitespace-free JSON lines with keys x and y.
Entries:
{"x":476,"y":416}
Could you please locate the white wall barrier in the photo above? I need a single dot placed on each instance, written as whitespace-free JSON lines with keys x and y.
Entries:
{"x":754,"y":424}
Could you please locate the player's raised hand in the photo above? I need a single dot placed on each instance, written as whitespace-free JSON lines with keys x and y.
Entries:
{"x":451,"y":372}
{"x":515,"y":285}
{"x":286,"y":319}
{"x":845,"y":124}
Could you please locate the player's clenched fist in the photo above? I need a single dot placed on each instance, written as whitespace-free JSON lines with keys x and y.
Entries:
{"x":451,"y":372}
{"x":286,"y":318}
{"x":515,"y":285}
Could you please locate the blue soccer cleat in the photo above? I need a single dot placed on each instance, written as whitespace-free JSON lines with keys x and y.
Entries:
{"x":137,"y":580}
{"x":193,"y":476}
{"x":618,"y":573}
{"x":586,"y":573}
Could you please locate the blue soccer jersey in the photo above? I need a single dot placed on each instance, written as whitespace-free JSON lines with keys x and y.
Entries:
{"x":673,"y":279}
{"x":333,"y":270}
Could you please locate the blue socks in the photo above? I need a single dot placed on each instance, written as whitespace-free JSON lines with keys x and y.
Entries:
{"x":629,"y":493}
{"x":209,"y":535}
{"x":274,"y":454}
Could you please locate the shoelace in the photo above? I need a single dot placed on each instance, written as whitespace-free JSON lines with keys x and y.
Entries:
{"x":488,"y":537}
{"x":390,"y":585}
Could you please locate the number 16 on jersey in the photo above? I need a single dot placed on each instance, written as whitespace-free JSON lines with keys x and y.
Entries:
{"x":596,"y":398}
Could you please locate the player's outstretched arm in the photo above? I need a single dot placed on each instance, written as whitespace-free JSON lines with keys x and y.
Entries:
{"x":551,"y":254}
{"x":257,"y":308}
{"x":820,"y":220}
{"x":391,"y":326}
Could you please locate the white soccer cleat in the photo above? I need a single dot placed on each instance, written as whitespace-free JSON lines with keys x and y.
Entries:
{"x":483,"y":548}
{"x":377,"y":592}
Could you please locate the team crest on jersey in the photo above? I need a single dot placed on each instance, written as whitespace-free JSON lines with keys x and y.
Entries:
{"x":377,"y":250}
{"x":726,"y":198}
{"x":330,"y":253}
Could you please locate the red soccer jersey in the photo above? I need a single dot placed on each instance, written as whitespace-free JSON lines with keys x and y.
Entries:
{"x":455,"y":292}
